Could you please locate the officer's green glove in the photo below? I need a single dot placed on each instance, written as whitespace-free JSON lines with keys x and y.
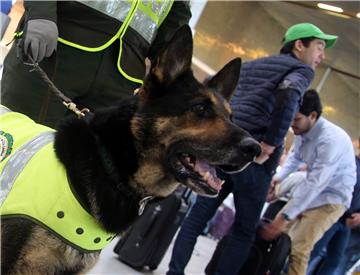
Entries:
{"x":40,"y":38}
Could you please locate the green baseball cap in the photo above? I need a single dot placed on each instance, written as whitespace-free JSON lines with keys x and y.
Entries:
{"x":304,"y":30}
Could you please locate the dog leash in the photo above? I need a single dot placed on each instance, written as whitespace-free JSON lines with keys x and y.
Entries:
{"x":69,"y":104}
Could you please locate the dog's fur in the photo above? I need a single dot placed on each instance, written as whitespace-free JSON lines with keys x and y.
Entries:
{"x":145,"y":146}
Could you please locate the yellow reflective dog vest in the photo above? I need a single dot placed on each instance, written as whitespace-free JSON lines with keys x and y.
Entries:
{"x":45,"y":198}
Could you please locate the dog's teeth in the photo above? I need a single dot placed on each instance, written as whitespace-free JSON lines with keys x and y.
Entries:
{"x":222,"y":182}
{"x":206,"y":176}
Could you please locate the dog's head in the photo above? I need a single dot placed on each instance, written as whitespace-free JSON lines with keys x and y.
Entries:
{"x":183,"y":128}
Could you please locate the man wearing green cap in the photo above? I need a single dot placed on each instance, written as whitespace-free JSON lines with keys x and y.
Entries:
{"x":304,"y":30}
{"x":308,"y":42}
{"x":266,"y":99}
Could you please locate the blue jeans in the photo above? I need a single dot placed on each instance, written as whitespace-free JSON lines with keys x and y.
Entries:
{"x":352,"y":253}
{"x":334,"y":241}
{"x":249,"y":189}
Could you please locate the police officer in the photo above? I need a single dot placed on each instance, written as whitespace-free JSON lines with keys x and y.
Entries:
{"x":93,"y":51}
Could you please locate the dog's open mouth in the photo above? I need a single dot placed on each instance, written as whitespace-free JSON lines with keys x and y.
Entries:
{"x":201,"y":173}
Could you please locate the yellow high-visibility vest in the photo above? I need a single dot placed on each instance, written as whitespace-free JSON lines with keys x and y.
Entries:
{"x":45,"y":198}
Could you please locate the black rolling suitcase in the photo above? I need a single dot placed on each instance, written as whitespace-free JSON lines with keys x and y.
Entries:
{"x":265,"y":258}
{"x":148,"y":239}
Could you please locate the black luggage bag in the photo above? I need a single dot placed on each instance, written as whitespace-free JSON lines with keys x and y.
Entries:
{"x":265,"y":258}
{"x":148,"y":239}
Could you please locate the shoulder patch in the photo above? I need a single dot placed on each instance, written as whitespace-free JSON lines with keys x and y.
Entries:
{"x":6,"y":144}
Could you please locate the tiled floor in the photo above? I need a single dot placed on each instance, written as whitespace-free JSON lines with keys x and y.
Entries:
{"x":109,"y":264}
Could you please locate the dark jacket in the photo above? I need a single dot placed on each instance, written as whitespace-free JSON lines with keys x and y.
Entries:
{"x":355,"y":202}
{"x":268,"y":96}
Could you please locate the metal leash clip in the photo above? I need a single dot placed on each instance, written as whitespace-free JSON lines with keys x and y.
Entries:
{"x":72,"y":107}
{"x":65,"y":100}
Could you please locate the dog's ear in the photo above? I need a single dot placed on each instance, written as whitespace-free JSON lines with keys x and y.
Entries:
{"x":175,"y":58}
{"x":224,"y":82}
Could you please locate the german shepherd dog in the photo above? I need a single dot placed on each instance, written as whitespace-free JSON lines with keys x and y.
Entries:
{"x":175,"y":131}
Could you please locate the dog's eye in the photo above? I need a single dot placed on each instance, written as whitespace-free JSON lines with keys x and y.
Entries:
{"x":199,"y":109}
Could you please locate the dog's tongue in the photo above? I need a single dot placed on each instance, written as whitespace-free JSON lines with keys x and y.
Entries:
{"x":208,"y":172}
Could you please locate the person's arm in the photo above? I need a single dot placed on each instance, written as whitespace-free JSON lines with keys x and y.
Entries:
{"x":287,"y":186}
{"x":291,"y":164}
{"x":318,"y":177}
{"x":178,"y":16}
{"x":287,"y":101}
{"x":286,"y":105}
{"x":41,"y":10}
{"x":40,"y":31}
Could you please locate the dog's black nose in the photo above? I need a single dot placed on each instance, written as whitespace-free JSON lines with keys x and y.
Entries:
{"x":250,"y":148}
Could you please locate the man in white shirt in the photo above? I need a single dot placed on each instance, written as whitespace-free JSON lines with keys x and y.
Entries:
{"x":320,"y":200}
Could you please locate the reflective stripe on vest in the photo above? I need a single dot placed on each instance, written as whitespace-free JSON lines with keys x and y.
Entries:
{"x":3,"y":110}
{"x":18,"y":160}
{"x":144,"y":17}
{"x":46,"y":199}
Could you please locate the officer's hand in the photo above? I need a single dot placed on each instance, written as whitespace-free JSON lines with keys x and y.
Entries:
{"x":40,"y":38}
